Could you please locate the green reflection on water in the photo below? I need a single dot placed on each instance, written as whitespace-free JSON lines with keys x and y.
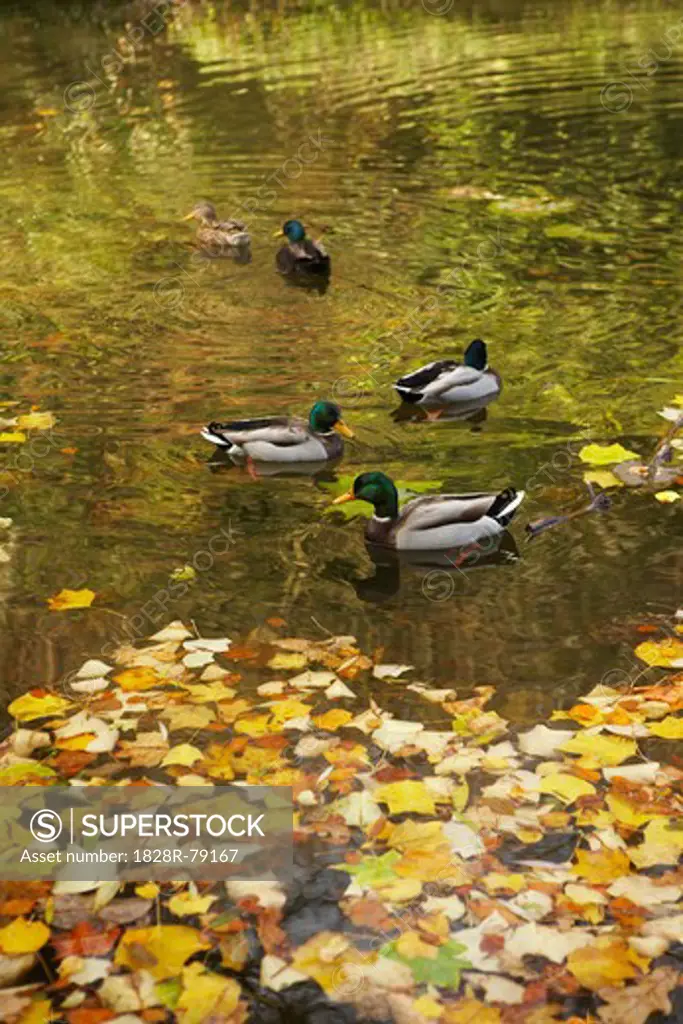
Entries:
{"x":468,"y":182}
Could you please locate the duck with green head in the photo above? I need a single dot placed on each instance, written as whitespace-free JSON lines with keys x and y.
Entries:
{"x":301,"y":255}
{"x":218,"y":236}
{"x":469,"y":385}
{"x":284,"y":439}
{"x":433,"y":522}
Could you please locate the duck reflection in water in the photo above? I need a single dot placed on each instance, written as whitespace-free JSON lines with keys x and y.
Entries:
{"x":439,"y":574}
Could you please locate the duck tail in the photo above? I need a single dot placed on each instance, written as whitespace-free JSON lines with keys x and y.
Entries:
{"x":505,"y":505}
{"x":213,"y":434}
{"x":408,"y":394}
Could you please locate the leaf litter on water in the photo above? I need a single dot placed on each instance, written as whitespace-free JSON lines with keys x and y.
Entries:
{"x":478,"y":874}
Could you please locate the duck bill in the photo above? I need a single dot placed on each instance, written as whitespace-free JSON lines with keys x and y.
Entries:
{"x":189,"y":216}
{"x":342,"y":429}
{"x":278,"y":233}
{"x":349,"y":496}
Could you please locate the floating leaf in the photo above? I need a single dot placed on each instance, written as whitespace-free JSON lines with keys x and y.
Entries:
{"x":206,"y":996}
{"x":444,"y":968}
{"x":409,"y":795}
{"x":185,"y":903}
{"x":37,"y":704}
{"x":36,"y":421}
{"x":607,"y":750}
{"x":667,"y":497}
{"x":670,"y":728}
{"x":660,"y":653}
{"x":67,"y":599}
{"x":605,"y":961}
{"x":22,"y":936}
{"x":162,"y":950}
{"x":605,"y":455}
{"x":567,"y":788}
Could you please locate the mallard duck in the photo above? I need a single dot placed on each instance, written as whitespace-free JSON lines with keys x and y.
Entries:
{"x":301,"y":255}
{"x":445,"y":382}
{"x":433,"y":522}
{"x":214,"y":235}
{"x":284,"y":438}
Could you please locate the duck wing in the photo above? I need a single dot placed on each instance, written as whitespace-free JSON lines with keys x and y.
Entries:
{"x":435,"y":511}
{"x":281,"y":431}
{"x":435,"y":379}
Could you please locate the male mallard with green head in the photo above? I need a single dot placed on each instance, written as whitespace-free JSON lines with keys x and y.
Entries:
{"x":216,"y":236}
{"x":446,"y":382}
{"x":301,"y":255}
{"x":434,"y":522}
{"x":284,"y":439}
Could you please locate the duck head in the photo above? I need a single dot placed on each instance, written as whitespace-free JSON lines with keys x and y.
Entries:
{"x":293,"y":230}
{"x":204,"y":212}
{"x":378,"y":490}
{"x":476,"y":355}
{"x":325,"y":417}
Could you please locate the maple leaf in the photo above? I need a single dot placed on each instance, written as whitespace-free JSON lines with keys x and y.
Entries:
{"x":444,"y":969}
{"x":634,"y":1003}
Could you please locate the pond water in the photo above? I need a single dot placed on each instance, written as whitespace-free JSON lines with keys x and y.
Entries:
{"x":537,"y":149}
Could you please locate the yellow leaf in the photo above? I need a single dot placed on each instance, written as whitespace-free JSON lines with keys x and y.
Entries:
{"x":605,"y":961}
{"x":67,"y":599}
{"x":28,"y":707}
{"x":331,"y":960}
{"x":410,"y":945}
{"x":333,"y":720}
{"x":662,"y":844}
{"x":471,"y":1011}
{"x":147,"y":891}
{"x":428,"y":1007}
{"x":460,"y":794}
{"x":253,"y":725}
{"x":287,"y":661}
{"x":12,"y":437}
{"x":81,"y":742}
{"x":22,"y":936}
{"x":286,"y":709}
{"x":670,"y":728}
{"x":603,"y":478}
{"x":600,"y":866}
{"x":408,"y":795}
{"x":403,"y":890}
{"x":605,"y":454}
{"x":218,"y":762}
{"x":162,"y":950}
{"x":607,"y":750}
{"x":137,"y":679}
{"x":567,"y":788}
{"x":39,"y":1012}
{"x":427,"y":836}
{"x":36,"y":421}
{"x":184,"y":754}
{"x":206,"y":996}
{"x":497,"y":882}
{"x":627,"y":813}
{"x":667,"y":497}
{"x":660,"y":653}
{"x":185,"y":903}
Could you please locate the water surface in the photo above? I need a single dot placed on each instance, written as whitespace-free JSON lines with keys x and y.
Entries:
{"x":389,"y":132}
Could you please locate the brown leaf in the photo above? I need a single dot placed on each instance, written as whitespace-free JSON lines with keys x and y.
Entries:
{"x":86,"y":939}
{"x":635,"y":1003}
{"x":366,"y":912}
{"x":273,"y":938}
{"x":125,"y":910}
